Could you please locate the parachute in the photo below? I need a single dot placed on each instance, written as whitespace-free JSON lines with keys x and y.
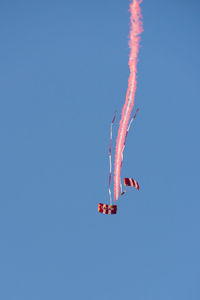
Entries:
{"x":107,"y":209}
{"x":131,"y":182}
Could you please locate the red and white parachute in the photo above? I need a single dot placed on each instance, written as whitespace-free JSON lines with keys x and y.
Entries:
{"x":131,"y":182}
{"x":124,"y":125}
{"x":107,"y":209}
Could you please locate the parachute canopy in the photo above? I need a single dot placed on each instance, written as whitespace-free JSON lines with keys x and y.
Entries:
{"x":107,"y":209}
{"x":131,"y":182}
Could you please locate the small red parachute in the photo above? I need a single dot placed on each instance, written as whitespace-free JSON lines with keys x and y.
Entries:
{"x":131,"y":182}
{"x":107,"y":209}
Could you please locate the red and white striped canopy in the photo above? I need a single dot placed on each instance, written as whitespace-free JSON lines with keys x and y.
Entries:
{"x":107,"y":209}
{"x":131,"y":182}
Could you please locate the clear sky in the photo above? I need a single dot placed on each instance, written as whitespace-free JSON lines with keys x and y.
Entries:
{"x":64,"y":71}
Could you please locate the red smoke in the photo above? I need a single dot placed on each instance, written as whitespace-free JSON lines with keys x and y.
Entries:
{"x":134,"y":40}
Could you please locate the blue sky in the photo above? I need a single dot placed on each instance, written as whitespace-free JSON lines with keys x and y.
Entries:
{"x":64,"y":71}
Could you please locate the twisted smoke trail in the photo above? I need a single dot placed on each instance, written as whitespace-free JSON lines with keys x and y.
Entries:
{"x":134,"y":40}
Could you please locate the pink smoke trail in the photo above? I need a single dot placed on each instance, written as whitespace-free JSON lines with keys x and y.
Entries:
{"x":134,"y":40}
